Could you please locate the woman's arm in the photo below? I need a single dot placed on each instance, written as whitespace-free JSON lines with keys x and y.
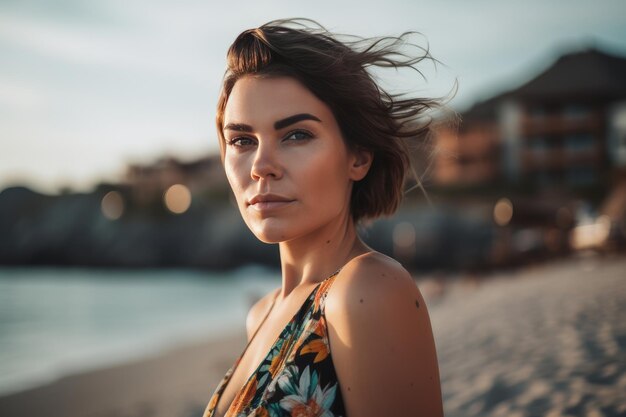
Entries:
{"x":381,"y":341}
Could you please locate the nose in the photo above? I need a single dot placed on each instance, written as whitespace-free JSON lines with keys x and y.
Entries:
{"x":266,"y":163}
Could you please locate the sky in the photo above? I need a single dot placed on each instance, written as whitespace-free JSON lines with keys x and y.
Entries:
{"x":88,"y":87}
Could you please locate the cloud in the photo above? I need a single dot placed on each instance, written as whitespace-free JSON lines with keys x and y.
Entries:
{"x":112,"y":49}
{"x":59,"y":41}
{"x":20,"y":96}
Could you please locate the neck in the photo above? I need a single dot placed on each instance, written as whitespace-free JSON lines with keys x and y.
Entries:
{"x":312,"y":258}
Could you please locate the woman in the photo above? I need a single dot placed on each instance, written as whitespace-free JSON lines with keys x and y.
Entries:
{"x":311,"y":145}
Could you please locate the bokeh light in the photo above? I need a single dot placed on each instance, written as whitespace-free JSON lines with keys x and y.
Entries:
{"x":503,"y":211}
{"x":112,"y":205}
{"x":592,"y":235}
{"x":177,"y":199}
{"x":404,"y":238}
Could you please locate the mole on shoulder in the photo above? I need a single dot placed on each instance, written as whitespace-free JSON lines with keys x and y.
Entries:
{"x":361,"y":300}
{"x":417,"y":304}
{"x":328,"y":241}
{"x":348,"y":388}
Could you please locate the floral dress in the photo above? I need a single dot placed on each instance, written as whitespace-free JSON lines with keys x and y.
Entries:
{"x":297,"y":377}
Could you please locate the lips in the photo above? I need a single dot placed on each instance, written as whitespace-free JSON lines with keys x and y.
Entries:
{"x":269,"y":201}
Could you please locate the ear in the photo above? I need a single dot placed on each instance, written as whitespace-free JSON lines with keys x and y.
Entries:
{"x":360,"y":163}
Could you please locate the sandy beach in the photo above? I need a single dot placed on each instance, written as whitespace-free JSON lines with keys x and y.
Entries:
{"x":546,"y":340}
{"x":549,"y":340}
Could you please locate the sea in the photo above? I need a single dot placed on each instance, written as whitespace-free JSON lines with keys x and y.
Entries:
{"x":60,"y":321}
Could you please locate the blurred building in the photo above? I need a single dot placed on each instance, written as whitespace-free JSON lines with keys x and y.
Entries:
{"x":564,"y":128}
{"x":546,"y":148}
{"x":201,"y":177}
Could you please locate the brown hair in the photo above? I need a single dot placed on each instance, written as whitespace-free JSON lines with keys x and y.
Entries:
{"x":337,"y":73}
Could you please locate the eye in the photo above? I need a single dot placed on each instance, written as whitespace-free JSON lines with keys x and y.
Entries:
{"x":298,"y":135}
{"x":240,"y":142}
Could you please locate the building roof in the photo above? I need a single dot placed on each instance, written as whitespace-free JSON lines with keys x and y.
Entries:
{"x":589,"y":74}
{"x":586,"y":74}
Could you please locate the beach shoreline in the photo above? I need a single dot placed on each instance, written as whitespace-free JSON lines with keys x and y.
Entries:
{"x":175,"y":382}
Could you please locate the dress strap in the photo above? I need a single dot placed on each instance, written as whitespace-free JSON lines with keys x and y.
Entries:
{"x":322,"y":291}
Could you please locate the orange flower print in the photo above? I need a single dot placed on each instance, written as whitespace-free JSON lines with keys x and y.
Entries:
{"x":310,"y":409}
{"x":319,"y":296}
{"x":318,"y":347}
{"x":320,"y":327}
{"x":245,"y":395}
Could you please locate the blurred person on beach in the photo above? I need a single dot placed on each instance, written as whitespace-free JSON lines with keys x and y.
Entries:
{"x":312,"y":146}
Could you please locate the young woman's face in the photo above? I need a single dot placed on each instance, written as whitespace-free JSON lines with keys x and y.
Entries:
{"x":285,"y":159}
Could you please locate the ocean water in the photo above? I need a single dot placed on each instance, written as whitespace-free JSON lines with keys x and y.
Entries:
{"x":54,"y":322}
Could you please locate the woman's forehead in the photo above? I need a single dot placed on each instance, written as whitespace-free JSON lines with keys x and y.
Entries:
{"x":267,"y":99}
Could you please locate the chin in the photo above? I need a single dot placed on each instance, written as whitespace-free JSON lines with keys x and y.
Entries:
{"x":268,"y":238}
{"x":270,"y":231}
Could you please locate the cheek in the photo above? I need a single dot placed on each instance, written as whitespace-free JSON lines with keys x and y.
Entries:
{"x":236,"y":175}
{"x":325,"y":177}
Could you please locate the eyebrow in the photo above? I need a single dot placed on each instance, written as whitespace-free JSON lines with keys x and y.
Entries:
{"x":239,"y":127}
{"x":280,"y":124}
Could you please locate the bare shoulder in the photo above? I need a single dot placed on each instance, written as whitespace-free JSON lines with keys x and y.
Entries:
{"x":258,"y":311}
{"x":369,"y":281}
{"x":372,"y":294}
{"x":379,"y":330}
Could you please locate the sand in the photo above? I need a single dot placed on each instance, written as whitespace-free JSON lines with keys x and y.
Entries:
{"x":547,"y":340}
